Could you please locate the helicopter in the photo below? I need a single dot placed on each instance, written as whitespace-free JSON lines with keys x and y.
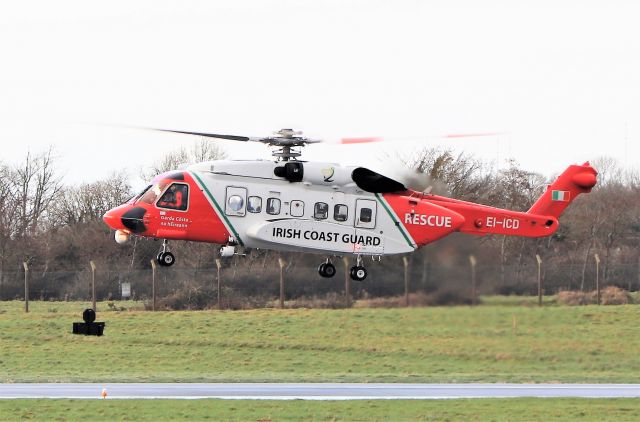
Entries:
{"x":287,"y":204}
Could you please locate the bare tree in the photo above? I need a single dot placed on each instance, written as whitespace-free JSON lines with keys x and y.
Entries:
{"x":203,"y":150}
{"x":36,"y":185}
{"x":89,"y":202}
{"x":7,"y":218}
{"x":460,"y":176}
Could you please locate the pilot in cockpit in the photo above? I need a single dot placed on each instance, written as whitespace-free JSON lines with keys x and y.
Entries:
{"x":173,"y":198}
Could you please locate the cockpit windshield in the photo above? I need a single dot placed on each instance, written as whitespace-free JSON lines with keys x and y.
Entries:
{"x":137,"y":196}
{"x":152,"y":192}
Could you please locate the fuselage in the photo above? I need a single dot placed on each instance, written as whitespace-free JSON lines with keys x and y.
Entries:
{"x":323,"y":208}
{"x":257,"y":204}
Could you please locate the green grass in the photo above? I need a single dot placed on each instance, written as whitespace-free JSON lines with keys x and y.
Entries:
{"x":444,"y":344}
{"x":513,"y":300}
{"x":393,"y":410}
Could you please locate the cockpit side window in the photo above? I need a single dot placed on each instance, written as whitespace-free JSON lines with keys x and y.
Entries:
{"x":175,"y":198}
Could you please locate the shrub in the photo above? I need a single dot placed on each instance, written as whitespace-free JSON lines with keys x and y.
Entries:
{"x":574,"y":298}
{"x":612,"y":295}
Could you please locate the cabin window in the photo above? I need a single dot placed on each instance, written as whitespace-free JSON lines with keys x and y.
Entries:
{"x":365,"y":215}
{"x":273,"y":206}
{"x":254,"y":204}
{"x":320,"y":211}
{"x":235,"y":202}
{"x":175,"y":198}
{"x":297,"y":208}
{"x":340,"y":212}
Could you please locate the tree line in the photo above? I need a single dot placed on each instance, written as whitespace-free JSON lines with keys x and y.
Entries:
{"x":57,"y":229}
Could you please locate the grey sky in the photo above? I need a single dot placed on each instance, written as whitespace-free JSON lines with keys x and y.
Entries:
{"x":561,"y":79}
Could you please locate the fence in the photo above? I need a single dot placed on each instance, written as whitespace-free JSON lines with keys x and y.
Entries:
{"x":256,"y":284}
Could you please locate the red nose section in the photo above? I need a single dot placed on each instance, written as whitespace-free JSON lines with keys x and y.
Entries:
{"x":127,"y":217}
{"x":113,"y":217}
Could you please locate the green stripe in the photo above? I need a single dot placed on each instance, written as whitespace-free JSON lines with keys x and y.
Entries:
{"x":395,"y":220}
{"x":220,"y":212}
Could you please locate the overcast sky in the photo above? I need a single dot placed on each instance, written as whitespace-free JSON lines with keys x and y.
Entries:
{"x":561,"y":80}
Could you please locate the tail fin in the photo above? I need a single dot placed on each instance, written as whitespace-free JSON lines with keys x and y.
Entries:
{"x":571,"y":183}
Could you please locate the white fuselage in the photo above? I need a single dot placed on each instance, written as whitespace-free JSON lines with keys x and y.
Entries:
{"x":324,"y":213}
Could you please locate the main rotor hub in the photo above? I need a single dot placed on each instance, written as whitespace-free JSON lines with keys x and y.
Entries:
{"x":285,"y":140}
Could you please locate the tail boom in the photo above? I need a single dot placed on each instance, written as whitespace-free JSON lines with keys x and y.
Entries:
{"x":481,"y":220}
{"x":542,"y":218}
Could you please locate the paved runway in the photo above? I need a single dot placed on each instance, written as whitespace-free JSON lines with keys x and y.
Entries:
{"x":275,"y":391}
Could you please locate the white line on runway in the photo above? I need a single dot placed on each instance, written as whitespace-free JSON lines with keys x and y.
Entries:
{"x":314,"y":391}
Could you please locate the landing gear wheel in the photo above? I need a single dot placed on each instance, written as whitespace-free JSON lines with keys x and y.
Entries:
{"x":166,"y":259}
{"x":358,"y":273}
{"x":321,"y":269}
{"x":327,"y":270}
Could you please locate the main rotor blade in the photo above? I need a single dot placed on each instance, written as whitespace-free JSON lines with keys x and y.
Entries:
{"x":372,"y":139}
{"x":210,"y":135}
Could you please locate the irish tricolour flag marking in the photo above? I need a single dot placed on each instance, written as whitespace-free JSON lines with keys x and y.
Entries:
{"x":560,"y":195}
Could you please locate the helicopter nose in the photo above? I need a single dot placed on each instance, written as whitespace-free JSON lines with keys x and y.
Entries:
{"x":126,"y":217}
{"x":113,"y":218}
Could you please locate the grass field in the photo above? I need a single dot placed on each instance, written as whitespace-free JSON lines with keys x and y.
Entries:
{"x":395,"y":410}
{"x":444,"y":344}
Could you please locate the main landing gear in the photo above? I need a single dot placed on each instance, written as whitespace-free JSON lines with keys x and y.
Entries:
{"x":165,"y":258}
{"x":327,"y":269}
{"x":358,"y":272}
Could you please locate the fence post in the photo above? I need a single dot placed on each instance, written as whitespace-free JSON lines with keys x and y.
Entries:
{"x":405,"y":261}
{"x":474,"y":293}
{"x":539,"y":279}
{"x":347,"y":282}
{"x":153,"y":284}
{"x":218,"y":265}
{"x":93,"y":285}
{"x":282,"y":264}
{"x":597,"y":257}
{"x":26,"y":286}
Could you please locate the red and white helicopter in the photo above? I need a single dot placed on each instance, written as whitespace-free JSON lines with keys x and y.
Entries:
{"x":324,"y":208}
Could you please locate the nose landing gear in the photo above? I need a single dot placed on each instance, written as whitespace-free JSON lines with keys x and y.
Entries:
{"x":165,"y":258}
{"x":358,"y":272}
{"x":327,"y":269}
